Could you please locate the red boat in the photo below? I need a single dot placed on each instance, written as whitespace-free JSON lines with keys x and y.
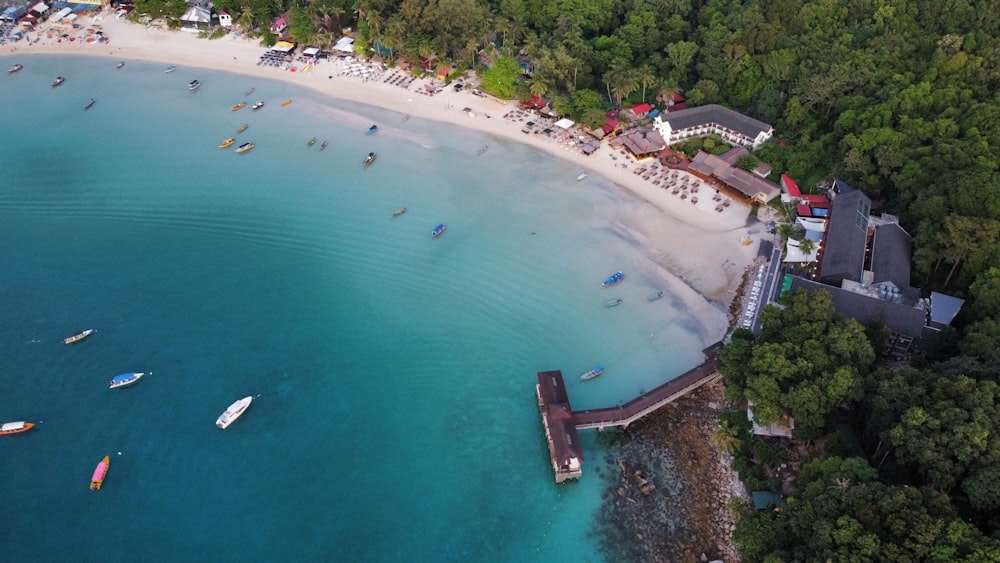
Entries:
{"x":16,"y":427}
{"x":14,"y":68}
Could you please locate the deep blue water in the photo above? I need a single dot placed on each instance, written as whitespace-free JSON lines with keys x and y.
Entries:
{"x":394,"y":416}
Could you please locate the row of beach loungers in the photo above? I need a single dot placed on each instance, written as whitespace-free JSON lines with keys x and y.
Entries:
{"x":400,"y":79}
{"x":680,"y":184}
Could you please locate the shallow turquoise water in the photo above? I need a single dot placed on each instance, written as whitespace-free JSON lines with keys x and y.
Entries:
{"x":394,"y":416}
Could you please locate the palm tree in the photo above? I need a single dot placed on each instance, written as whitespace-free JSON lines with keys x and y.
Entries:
{"x":646,"y":78}
{"x":726,"y":438}
{"x":537,"y":86}
{"x":666,"y":90}
{"x":806,"y":246}
{"x":841,"y":484}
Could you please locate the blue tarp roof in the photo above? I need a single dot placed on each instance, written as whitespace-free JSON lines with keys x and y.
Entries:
{"x":944,"y":307}
{"x":653,"y":113}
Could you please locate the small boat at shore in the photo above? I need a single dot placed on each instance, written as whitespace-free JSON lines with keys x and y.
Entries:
{"x":242,"y":128}
{"x":399,"y":212}
{"x":250,"y":91}
{"x":238,"y":106}
{"x":244,"y":148}
{"x":372,"y":130}
{"x":194,"y":85}
{"x":14,"y":68}
{"x":257,"y":106}
{"x":581,"y":176}
{"x":234,"y":411}
{"x":90,"y":104}
{"x":286,"y":102}
{"x":654,"y":296}
{"x":16,"y":427}
{"x":100,"y":472}
{"x":369,"y":159}
{"x":170,"y":69}
{"x":125,"y":379}
{"x":79,"y":336}
{"x":615,"y":278}
{"x":120,"y":65}
{"x":613,"y":302}
{"x":59,"y":80}
{"x":439,"y":230}
{"x":227,"y":143}
{"x":598,"y":370}
{"x":482,"y":150}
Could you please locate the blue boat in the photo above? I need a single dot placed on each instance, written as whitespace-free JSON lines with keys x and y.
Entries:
{"x":125,"y":379}
{"x":438,"y":230}
{"x":372,"y":130}
{"x":614,"y":279}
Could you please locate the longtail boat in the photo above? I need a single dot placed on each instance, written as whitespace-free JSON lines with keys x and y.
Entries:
{"x":16,"y":427}
{"x":79,"y":336}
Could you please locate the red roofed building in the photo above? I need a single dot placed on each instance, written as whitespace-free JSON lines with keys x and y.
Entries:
{"x":640,"y":110}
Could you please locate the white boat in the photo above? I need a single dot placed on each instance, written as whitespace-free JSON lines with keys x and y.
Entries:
{"x":125,"y":379}
{"x":598,"y":370}
{"x":121,"y":64}
{"x":194,"y":85}
{"x":257,"y":106}
{"x":234,"y":411}
{"x":170,"y":69}
{"x":581,"y":176}
{"x":654,"y":296}
{"x":613,"y":302}
{"x":244,"y":148}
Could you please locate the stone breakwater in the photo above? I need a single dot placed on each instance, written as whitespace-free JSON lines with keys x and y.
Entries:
{"x":666,"y":493}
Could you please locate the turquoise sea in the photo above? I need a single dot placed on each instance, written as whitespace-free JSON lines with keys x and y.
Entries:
{"x":394,"y":416}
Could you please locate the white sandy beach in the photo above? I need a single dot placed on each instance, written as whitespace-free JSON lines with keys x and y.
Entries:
{"x":694,"y":241}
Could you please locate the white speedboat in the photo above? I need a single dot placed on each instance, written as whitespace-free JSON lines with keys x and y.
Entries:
{"x":598,"y":370}
{"x":581,"y":176}
{"x":125,"y":379}
{"x":234,"y":411}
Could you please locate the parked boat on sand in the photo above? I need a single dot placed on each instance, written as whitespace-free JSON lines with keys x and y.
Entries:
{"x":125,"y":379}
{"x":16,"y":427}
{"x":79,"y":336}
{"x":100,"y":472}
{"x":598,"y":370}
{"x":234,"y":411}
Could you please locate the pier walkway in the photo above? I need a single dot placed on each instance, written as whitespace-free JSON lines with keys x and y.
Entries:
{"x":650,"y":401}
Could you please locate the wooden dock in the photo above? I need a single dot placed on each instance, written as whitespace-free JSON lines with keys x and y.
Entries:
{"x":561,"y":422}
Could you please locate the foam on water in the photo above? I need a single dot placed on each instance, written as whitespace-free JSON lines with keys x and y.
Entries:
{"x":394,"y":414}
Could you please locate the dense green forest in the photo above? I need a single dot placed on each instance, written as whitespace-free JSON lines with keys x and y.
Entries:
{"x":900,"y":98}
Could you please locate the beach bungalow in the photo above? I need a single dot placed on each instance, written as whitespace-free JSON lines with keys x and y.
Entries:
{"x":279,"y":25}
{"x":445,"y":70}
{"x":225,"y":19}
{"x":642,"y":145}
{"x":196,"y":19}
{"x":39,"y":11}
{"x":639,"y":111}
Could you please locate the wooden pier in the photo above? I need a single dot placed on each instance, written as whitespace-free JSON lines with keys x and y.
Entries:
{"x":561,"y":422}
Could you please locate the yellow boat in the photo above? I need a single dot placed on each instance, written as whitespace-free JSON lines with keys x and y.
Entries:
{"x":227,"y":143}
{"x":240,"y":105}
{"x":399,"y":211}
{"x":242,"y":128}
{"x":286,"y":102}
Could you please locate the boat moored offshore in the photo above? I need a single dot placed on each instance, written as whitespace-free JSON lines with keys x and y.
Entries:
{"x":228,"y":142}
{"x":79,"y":336}
{"x":598,"y":370}
{"x":16,"y":427}
{"x":369,"y":159}
{"x":438,"y":230}
{"x":194,"y":85}
{"x":100,"y":472}
{"x":244,"y":148}
{"x":125,"y":379}
{"x":234,"y":411}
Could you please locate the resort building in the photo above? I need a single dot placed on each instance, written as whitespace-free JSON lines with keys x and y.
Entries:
{"x":750,"y":186}
{"x":641,"y":144}
{"x":701,"y":121}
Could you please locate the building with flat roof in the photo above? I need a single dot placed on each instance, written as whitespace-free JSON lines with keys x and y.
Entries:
{"x":701,"y":121}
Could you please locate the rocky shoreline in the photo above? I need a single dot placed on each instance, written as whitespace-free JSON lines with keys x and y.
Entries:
{"x":667,"y":491}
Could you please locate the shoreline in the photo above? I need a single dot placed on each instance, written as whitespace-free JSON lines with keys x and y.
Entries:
{"x":709,"y":259}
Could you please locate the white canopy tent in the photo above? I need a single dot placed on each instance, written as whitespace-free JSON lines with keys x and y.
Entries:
{"x":61,"y":14}
{"x":310,"y":51}
{"x":344,"y":45}
{"x":565,"y":123}
{"x":39,"y":8}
